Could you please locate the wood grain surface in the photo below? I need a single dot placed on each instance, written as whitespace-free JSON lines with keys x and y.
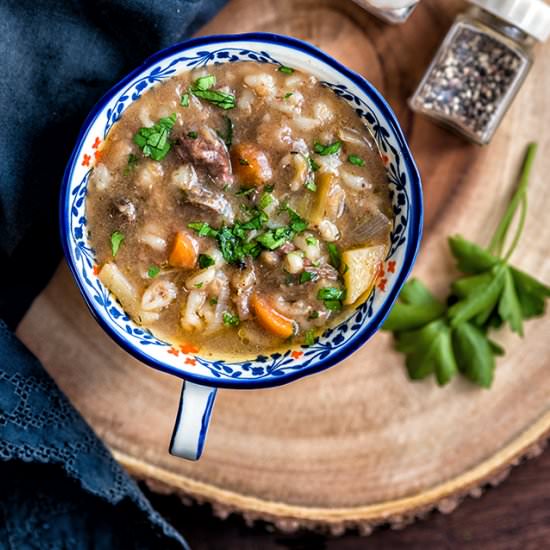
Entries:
{"x":357,"y":445}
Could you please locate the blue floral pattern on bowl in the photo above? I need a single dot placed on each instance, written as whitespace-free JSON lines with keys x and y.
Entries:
{"x":263,"y":370}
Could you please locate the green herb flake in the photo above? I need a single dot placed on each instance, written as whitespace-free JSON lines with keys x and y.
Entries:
{"x":313,"y":315}
{"x":205,"y":261}
{"x":307,"y":276}
{"x":313,"y":165}
{"x":309,"y":337}
{"x":199,"y":285}
{"x":192,"y":135}
{"x":184,"y":100}
{"x":154,"y":141}
{"x":355,"y":160}
{"x":204,"y":82}
{"x":311,"y":241}
{"x":245,"y":191}
{"x":287,"y":95}
{"x":131,"y":164}
{"x":228,"y":135}
{"x":285,"y":70}
{"x":265,"y":200}
{"x":230,"y":320}
{"x":203,"y":229}
{"x":116,"y":241}
{"x":244,"y":162}
{"x":330,"y":293}
{"x":325,"y":150}
{"x":334,"y":255}
{"x":310,"y":185}
{"x":213,"y":301}
{"x":153,"y":271}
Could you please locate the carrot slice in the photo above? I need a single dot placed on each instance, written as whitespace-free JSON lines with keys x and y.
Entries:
{"x":250,"y":164}
{"x":184,"y":251}
{"x":270,"y":319}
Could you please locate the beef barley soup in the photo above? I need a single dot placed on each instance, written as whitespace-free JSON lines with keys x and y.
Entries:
{"x":238,"y":206}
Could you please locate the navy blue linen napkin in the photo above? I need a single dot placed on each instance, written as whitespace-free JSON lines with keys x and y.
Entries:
{"x":59,"y":486}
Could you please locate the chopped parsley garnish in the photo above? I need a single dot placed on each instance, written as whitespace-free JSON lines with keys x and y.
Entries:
{"x":313,"y":315}
{"x":330,"y":149}
{"x":285,"y":70}
{"x":202,"y":88}
{"x":205,"y":261}
{"x":244,"y":162}
{"x":311,"y":241}
{"x":213,"y":301}
{"x":313,"y":165}
{"x":265,"y":200}
{"x":184,"y":101}
{"x":244,"y":191}
{"x":230,"y":320}
{"x":355,"y":160}
{"x":228,"y":136}
{"x":234,"y":241}
{"x":269,"y":188}
{"x":203,"y":229}
{"x":131,"y":164}
{"x":310,"y":185}
{"x":309,"y":337}
{"x":307,"y":276}
{"x":116,"y":240}
{"x":192,"y":135}
{"x":287,"y":95}
{"x":154,"y":141}
{"x":199,"y":285}
{"x":297,"y":224}
{"x":153,"y":271}
{"x":334,"y":254}
{"x":332,"y":297}
{"x":204,"y":82}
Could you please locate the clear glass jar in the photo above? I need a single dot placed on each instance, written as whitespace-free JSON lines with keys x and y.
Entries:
{"x":391,"y":12}
{"x":475,"y":74}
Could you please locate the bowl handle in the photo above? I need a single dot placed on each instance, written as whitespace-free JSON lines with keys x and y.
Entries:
{"x":192,"y":420}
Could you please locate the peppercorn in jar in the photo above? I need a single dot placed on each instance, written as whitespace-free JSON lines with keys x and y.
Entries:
{"x":481,"y":65}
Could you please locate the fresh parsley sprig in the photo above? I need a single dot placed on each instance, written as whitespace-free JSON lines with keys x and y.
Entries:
{"x":446,"y":339}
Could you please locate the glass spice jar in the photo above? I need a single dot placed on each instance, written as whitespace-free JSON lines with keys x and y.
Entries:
{"x":481,"y":65}
{"x":391,"y":11}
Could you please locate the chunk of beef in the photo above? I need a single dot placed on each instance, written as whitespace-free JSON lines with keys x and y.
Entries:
{"x":186,"y":179}
{"x":209,"y":152}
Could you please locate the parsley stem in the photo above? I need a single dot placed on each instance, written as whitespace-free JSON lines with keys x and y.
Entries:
{"x":497,"y":242}
{"x":519,"y":229}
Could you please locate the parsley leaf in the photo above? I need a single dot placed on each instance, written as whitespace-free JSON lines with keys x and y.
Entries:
{"x":230,"y":320}
{"x":445,"y":340}
{"x":265,"y":200}
{"x":203,"y":229}
{"x":131,"y":164}
{"x":153,"y":271}
{"x":310,"y":185}
{"x":325,"y":150}
{"x":154,"y":141}
{"x":192,"y":135}
{"x":205,"y":261}
{"x":204,"y":82}
{"x":334,"y":255}
{"x":307,"y":276}
{"x":355,"y":160}
{"x":313,"y":165}
{"x":285,"y":70}
{"x":309,"y":337}
{"x":116,"y":240}
{"x":184,"y":100}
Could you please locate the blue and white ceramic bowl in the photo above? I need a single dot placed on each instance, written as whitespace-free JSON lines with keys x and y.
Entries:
{"x":204,"y":375}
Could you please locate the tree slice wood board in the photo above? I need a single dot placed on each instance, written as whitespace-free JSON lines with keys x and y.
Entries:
{"x":357,"y":445}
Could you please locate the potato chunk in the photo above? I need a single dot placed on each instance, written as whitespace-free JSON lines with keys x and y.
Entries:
{"x":361,"y":267}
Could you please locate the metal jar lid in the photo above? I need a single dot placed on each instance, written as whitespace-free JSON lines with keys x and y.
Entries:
{"x":531,"y":16}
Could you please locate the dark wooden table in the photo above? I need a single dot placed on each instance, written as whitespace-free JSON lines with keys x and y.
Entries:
{"x":514,"y":515}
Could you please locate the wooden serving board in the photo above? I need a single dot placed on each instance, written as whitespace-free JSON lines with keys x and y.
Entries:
{"x":357,"y":445}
